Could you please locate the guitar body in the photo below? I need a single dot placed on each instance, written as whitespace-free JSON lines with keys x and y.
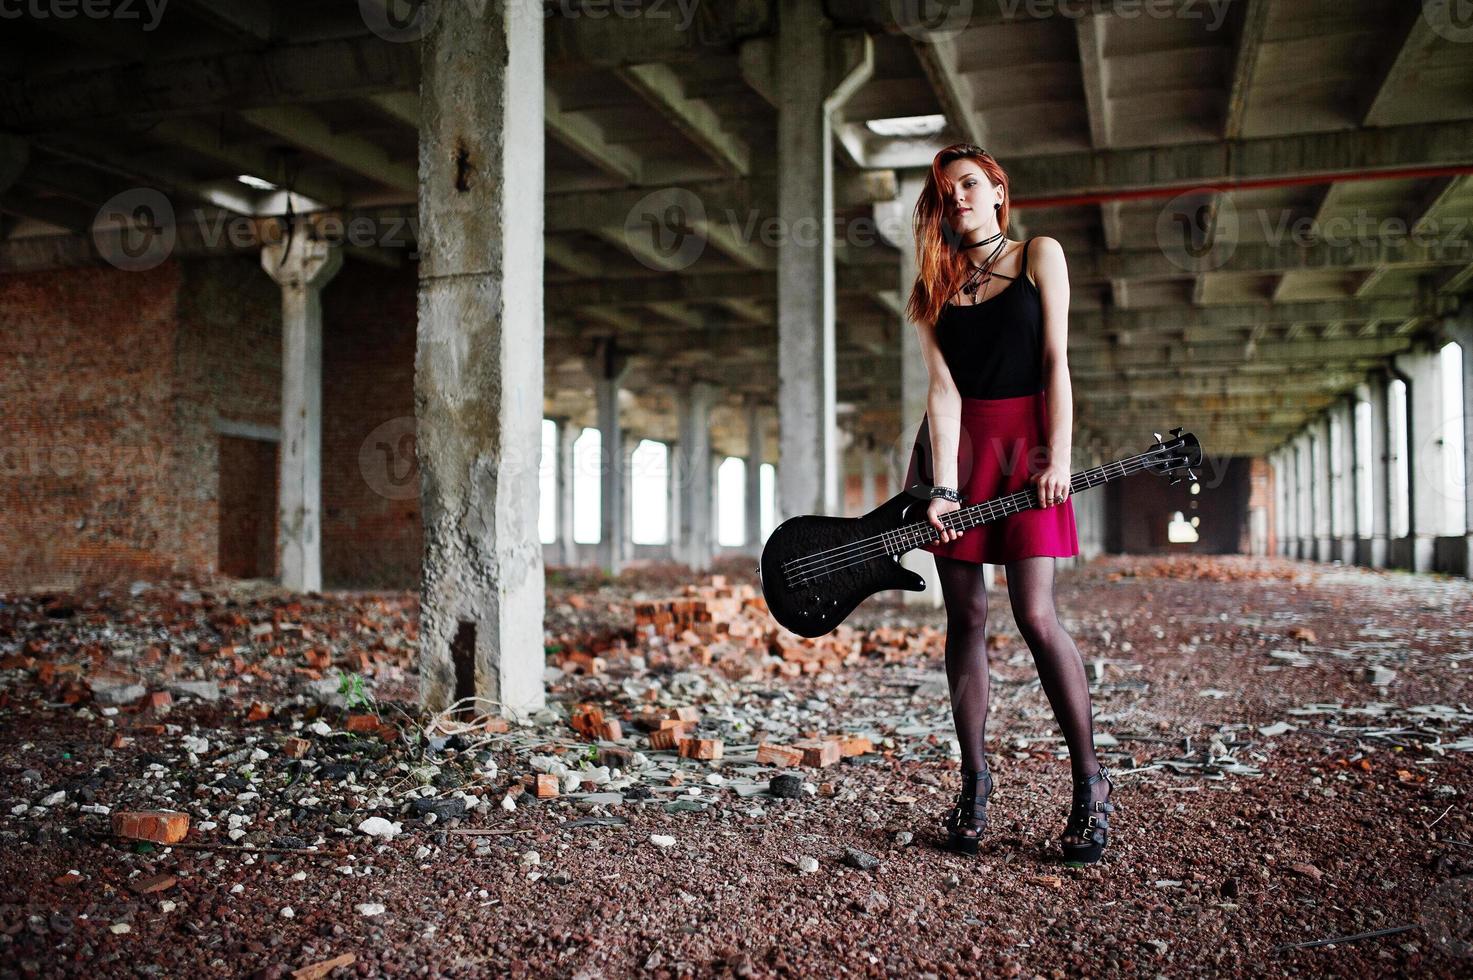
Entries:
{"x":815,"y":607}
{"x":815,"y":570}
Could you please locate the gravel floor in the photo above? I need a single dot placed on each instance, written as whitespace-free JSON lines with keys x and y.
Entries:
{"x":1295,"y":744}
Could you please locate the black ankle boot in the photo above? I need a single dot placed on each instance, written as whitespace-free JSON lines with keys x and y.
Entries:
{"x":967,"y":820}
{"x":1088,"y":821}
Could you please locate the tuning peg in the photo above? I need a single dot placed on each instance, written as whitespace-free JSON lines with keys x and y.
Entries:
{"x":1176,"y":432}
{"x":1157,"y":435}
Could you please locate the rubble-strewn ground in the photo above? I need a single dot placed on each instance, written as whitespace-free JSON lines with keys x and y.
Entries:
{"x":1294,"y":746}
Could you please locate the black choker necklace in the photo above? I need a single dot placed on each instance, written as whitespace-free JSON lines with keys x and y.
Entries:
{"x":985,"y":241}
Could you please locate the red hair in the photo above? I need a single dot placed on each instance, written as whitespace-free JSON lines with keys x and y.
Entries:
{"x":940,"y":267}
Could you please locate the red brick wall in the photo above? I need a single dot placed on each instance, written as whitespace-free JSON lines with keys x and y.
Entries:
{"x":227,"y":366}
{"x":112,"y":385}
{"x":90,"y":448}
{"x":371,"y":533}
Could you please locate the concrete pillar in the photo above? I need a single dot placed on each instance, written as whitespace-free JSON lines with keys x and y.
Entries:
{"x":1342,"y":418}
{"x":1319,"y":442}
{"x":1276,"y":467}
{"x":1304,"y":503}
{"x":609,"y":367}
{"x":819,"y":71}
{"x":1290,"y":546}
{"x":567,"y":434}
{"x":696,"y":537}
{"x":1378,"y":393}
{"x":1460,"y":328}
{"x":301,"y":267}
{"x":631,"y":442}
{"x":478,"y":362}
{"x":753,"y":499}
{"x":1360,"y":469}
{"x":1430,"y":498}
{"x":867,"y":500}
{"x":1334,"y":489}
{"x":673,"y":490}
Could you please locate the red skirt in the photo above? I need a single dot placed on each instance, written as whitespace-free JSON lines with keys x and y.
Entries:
{"x":1003,"y":446}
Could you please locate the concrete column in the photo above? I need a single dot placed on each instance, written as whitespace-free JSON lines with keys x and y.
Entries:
{"x":1361,"y":465}
{"x":753,"y":500}
{"x":1290,"y":547}
{"x":1378,"y":390}
{"x":1342,"y":417}
{"x":867,"y":500}
{"x":1281,"y":520}
{"x":1430,"y":482}
{"x":674,"y":482}
{"x":1334,"y":494}
{"x":819,"y":71}
{"x":1304,"y":513}
{"x":1460,"y":329}
{"x":631,"y":442}
{"x":696,"y":537}
{"x":609,"y":368}
{"x":567,"y":435}
{"x":1320,"y":488}
{"x":478,"y":363}
{"x":301,"y":267}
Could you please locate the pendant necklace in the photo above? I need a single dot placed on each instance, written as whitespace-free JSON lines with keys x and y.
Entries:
{"x":981,"y":275}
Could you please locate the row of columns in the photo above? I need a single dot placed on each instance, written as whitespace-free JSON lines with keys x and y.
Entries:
{"x":691,"y":505}
{"x":1368,"y":481}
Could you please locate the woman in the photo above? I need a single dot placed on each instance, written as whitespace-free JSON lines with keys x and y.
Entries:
{"x":991,"y":314}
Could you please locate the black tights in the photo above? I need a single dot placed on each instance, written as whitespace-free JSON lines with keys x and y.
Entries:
{"x":1060,"y":668}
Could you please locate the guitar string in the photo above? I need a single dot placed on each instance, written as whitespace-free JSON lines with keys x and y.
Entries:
{"x":907,"y":536}
{"x":832,"y":561}
{"x":809,"y":562}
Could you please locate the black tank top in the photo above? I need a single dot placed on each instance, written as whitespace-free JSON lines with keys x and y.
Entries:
{"x":995,"y":349}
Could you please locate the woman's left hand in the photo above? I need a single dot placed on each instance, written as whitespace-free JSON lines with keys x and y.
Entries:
{"x":1053,"y":485}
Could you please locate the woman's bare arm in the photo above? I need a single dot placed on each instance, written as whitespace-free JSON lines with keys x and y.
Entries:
{"x":943,"y":410}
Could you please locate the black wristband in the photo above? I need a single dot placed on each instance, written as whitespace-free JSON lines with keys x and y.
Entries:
{"x":946,"y":493}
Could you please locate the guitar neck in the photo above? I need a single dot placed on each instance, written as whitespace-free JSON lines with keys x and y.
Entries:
{"x":913,"y":535}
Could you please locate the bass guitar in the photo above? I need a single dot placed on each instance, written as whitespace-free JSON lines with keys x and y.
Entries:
{"x":816,"y":569}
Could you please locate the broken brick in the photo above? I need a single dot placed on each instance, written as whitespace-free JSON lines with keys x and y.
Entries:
{"x":819,"y":753}
{"x":296,"y":748}
{"x":158,"y":826}
{"x":362,"y":724}
{"x":700,"y":748}
{"x":545,"y":786}
{"x":778,"y":755}
{"x":152,"y":884}
{"x":855,"y":745}
{"x":155,"y":701}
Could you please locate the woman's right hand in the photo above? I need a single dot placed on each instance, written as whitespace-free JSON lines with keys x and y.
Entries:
{"x":937,"y":507}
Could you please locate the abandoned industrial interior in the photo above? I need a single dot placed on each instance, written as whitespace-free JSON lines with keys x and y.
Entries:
{"x":399,"y":396}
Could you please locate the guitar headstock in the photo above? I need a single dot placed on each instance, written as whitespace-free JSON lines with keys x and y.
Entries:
{"x":1175,"y":456}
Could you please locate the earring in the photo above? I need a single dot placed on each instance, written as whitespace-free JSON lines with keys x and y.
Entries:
{"x":997,"y":207}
